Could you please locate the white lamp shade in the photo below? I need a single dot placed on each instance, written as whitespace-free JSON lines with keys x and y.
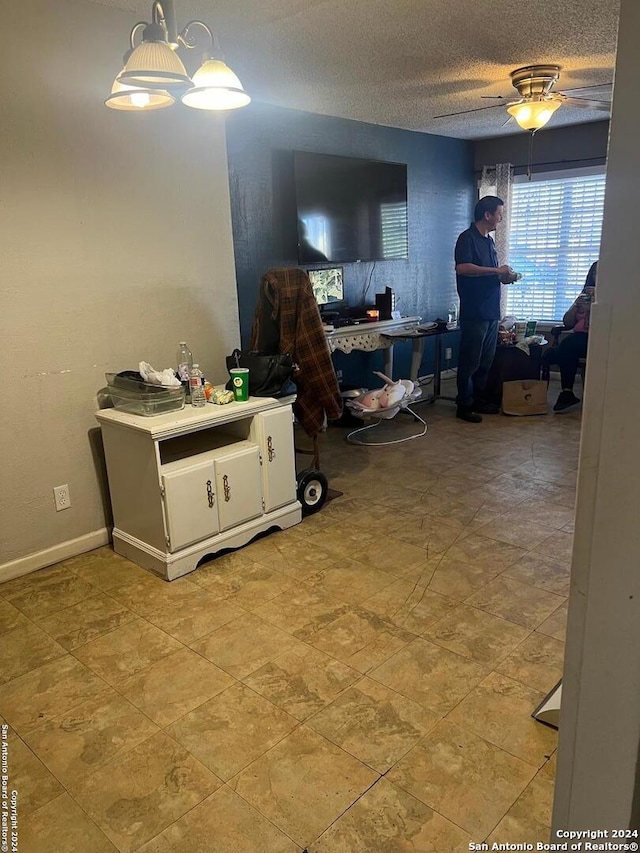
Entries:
{"x":532,"y":115}
{"x":124,"y":97}
{"x":154,"y":65}
{"x":215,"y":87}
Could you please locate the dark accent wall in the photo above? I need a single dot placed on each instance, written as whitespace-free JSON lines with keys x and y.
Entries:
{"x":260,"y":142}
{"x":571,"y":147}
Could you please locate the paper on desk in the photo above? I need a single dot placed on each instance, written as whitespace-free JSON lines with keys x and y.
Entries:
{"x":399,"y":333}
{"x":532,"y":339}
{"x":408,"y":331}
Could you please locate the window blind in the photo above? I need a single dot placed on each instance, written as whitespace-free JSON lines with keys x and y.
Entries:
{"x":554,"y":239}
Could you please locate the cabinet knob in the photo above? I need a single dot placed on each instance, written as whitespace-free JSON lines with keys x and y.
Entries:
{"x":226,"y":488}
{"x":271,"y":453}
{"x":210,"y":495}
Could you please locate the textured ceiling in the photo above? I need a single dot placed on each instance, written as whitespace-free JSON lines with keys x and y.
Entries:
{"x":402,"y":62}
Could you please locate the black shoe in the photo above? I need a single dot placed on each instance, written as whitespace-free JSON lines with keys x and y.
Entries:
{"x":565,"y":400}
{"x":486,"y":408}
{"x":466,"y":413}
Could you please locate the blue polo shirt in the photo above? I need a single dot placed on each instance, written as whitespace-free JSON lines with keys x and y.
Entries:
{"x":479,"y":294}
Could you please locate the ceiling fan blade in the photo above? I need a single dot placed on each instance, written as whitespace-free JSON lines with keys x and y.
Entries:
{"x":464,"y":112}
{"x":493,"y":98}
{"x":582,"y":88}
{"x":588,"y":104}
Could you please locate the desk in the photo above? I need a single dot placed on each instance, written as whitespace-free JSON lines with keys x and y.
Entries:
{"x":417,"y":337}
{"x":369,"y":337}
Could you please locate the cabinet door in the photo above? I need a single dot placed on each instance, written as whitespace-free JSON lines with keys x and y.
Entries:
{"x":274,"y":434}
{"x":239,"y":495}
{"x":190,"y":504}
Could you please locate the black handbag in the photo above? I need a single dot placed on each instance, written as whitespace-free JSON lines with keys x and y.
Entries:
{"x":270,"y":374}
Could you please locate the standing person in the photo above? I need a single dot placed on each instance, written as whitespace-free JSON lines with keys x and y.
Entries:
{"x":478,"y":279}
{"x":573,"y":347}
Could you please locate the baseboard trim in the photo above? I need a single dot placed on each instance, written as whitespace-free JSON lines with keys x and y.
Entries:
{"x":55,"y":554}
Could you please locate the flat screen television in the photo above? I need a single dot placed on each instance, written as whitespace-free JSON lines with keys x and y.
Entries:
{"x":349,"y":209}
{"x":327,"y":285}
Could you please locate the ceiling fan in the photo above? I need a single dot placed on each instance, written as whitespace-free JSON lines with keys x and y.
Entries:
{"x":538,"y":102}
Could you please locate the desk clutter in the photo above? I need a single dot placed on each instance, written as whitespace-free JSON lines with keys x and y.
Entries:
{"x":514,"y":331}
{"x":130,"y":393}
{"x":148,"y":392}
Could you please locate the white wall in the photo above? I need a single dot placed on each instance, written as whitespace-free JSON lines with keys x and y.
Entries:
{"x":116,"y":244}
{"x":600,"y":720}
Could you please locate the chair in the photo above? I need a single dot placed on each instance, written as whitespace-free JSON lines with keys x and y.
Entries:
{"x":547,"y":358}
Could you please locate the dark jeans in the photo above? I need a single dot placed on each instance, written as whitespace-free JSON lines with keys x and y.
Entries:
{"x":478,"y":340}
{"x":572,"y":348}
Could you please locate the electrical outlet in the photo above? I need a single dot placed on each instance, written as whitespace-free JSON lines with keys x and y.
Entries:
{"x":61,"y":497}
{"x":448,"y":353}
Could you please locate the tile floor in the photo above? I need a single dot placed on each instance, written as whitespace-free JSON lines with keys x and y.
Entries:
{"x":361,"y":683}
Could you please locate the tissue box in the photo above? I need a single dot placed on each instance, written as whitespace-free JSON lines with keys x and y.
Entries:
{"x":142,"y":398}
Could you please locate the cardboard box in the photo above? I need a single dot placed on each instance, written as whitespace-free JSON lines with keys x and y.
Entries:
{"x":524,"y":397}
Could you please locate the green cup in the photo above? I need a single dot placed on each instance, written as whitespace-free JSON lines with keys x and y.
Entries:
{"x":240,"y":382}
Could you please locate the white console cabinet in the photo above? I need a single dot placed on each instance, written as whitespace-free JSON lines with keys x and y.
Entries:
{"x":191,"y":483}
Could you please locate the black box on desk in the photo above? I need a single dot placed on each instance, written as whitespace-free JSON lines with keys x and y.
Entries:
{"x":330,"y":317}
{"x":386,"y":303}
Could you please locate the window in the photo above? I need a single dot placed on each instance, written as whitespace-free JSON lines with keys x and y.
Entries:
{"x":554,"y":239}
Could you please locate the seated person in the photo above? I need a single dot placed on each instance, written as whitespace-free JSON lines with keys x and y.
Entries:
{"x":573,"y":347}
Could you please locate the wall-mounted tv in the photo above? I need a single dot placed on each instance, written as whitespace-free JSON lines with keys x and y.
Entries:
{"x":349,"y":209}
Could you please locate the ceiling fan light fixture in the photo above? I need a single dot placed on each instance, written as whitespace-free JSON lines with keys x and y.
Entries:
{"x":533,"y":115}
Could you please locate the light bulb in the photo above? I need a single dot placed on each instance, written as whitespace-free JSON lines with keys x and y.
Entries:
{"x":133,"y":98}
{"x":140,"y":99}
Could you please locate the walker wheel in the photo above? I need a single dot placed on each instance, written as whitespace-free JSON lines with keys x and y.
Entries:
{"x":312,"y":490}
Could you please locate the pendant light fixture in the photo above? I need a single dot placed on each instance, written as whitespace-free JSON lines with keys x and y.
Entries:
{"x":154,"y":75}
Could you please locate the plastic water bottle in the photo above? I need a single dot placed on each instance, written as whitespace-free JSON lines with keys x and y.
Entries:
{"x":453,"y":312}
{"x":196,"y":386}
{"x":185,"y":362}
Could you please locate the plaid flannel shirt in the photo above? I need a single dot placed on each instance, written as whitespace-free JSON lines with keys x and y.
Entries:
{"x":286,"y":300}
